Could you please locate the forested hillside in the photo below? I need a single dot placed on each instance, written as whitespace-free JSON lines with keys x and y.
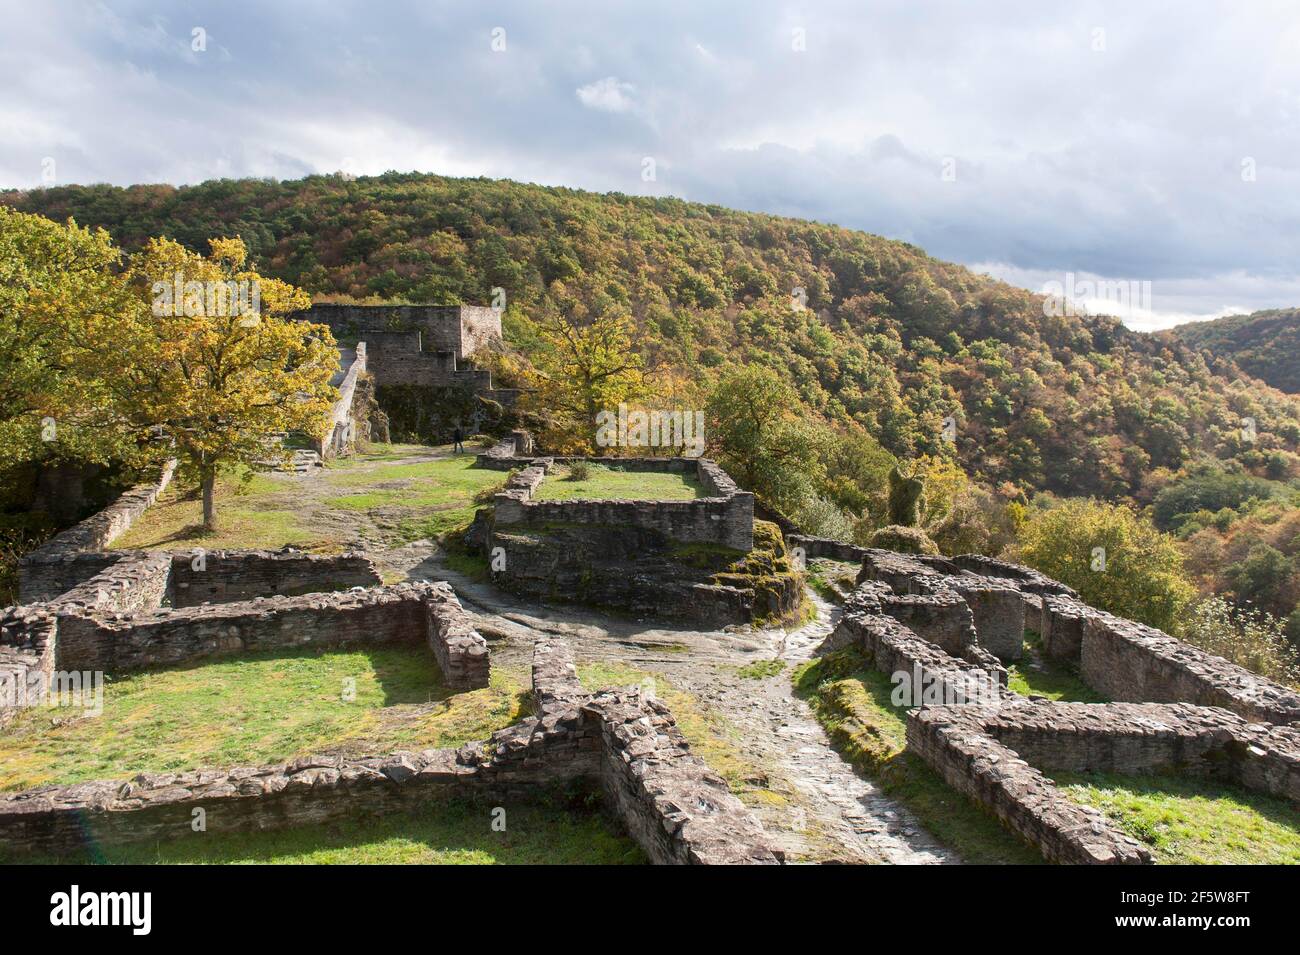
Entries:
{"x":890,"y":338}
{"x":1264,"y":344}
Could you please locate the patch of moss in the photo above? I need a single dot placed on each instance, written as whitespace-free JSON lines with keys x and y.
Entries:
{"x":761,"y":669}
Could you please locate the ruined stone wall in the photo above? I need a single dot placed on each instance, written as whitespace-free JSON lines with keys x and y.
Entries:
{"x":726,"y":519}
{"x":125,"y":643}
{"x":1128,"y":661}
{"x":226,"y":576}
{"x":479,"y":326}
{"x":415,"y":344}
{"x":951,"y":741}
{"x":460,"y":650}
{"x":139,"y":581}
{"x":341,"y":426}
{"x":93,"y":534}
{"x":669,"y":801}
{"x":994,"y":754}
{"x":45,"y":577}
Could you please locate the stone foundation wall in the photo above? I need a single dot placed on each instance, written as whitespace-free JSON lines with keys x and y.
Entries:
{"x":123,"y":643}
{"x":726,"y":519}
{"x":460,"y":650}
{"x":950,"y":740}
{"x":1128,"y":661}
{"x":94,"y":533}
{"x":225,"y":576}
{"x":139,"y":581}
{"x":994,"y":754}
{"x":671,"y":804}
{"x":1118,"y":658}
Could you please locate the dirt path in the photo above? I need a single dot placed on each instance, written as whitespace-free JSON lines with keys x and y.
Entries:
{"x":828,"y":813}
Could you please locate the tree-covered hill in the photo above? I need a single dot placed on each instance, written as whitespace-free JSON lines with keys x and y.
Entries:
{"x":1264,"y":344}
{"x":887,"y":337}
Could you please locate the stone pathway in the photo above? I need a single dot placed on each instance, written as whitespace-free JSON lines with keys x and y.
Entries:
{"x":828,"y":814}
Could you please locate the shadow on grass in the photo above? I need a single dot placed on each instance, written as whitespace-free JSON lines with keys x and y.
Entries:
{"x":440,"y":833}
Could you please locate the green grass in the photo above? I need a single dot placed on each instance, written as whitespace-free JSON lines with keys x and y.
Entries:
{"x":712,"y":737}
{"x":411,"y":499}
{"x":1038,"y":675}
{"x":1193,"y":821}
{"x":249,"y":515}
{"x":851,"y":701}
{"x":432,"y":498}
{"x":761,"y":669}
{"x":831,"y":579}
{"x":444,"y":833}
{"x":253,"y":710}
{"x":608,"y":483}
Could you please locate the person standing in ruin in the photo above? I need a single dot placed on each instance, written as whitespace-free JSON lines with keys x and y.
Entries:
{"x":458,"y":436}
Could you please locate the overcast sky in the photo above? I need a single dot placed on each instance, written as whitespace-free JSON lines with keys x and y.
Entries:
{"x":1043,"y":142}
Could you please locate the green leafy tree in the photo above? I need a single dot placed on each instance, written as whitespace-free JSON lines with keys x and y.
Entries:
{"x":755,"y":427}
{"x":1117,"y":560}
{"x":56,"y":281}
{"x":209,"y":379}
{"x":585,"y":364}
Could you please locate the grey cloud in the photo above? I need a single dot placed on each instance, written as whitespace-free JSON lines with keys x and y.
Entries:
{"x":1124,"y":162}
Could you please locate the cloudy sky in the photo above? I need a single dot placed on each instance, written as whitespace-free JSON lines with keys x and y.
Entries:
{"x":1044,"y":142}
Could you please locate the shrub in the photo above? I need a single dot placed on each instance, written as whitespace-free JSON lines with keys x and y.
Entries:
{"x":905,"y":540}
{"x":1249,"y":638}
{"x":579,"y":470}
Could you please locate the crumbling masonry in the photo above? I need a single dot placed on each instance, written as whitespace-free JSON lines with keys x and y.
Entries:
{"x":1179,"y":709}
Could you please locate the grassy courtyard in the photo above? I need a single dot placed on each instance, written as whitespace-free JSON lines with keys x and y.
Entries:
{"x":254,"y":710}
{"x":603,"y":483}
{"x":387,"y":496}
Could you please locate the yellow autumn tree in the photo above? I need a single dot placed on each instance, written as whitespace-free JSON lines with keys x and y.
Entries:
{"x":584,"y":364}
{"x":56,"y":279}
{"x":209,"y":364}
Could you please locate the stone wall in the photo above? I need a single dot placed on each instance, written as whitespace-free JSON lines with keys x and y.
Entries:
{"x":994,"y":754}
{"x":669,"y":801}
{"x":460,"y":650}
{"x":990,"y":744}
{"x":121,"y":643}
{"x":225,"y":576}
{"x":726,"y":519}
{"x":1128,"y":661}
{"x":95,"y":532}
{"x":1118,"y":658}
{"x":415,"y":344}
{"x":44,"y":577}
{"x":340,"y":432}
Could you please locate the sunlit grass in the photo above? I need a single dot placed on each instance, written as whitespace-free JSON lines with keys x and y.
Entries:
{"x":1193,"y":821}
{"x":608,"y":483}
{"x":254,"y":710}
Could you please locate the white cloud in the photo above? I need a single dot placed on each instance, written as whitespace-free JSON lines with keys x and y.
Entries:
{"x":1123,"y":163}
{"x":607,"y":95}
